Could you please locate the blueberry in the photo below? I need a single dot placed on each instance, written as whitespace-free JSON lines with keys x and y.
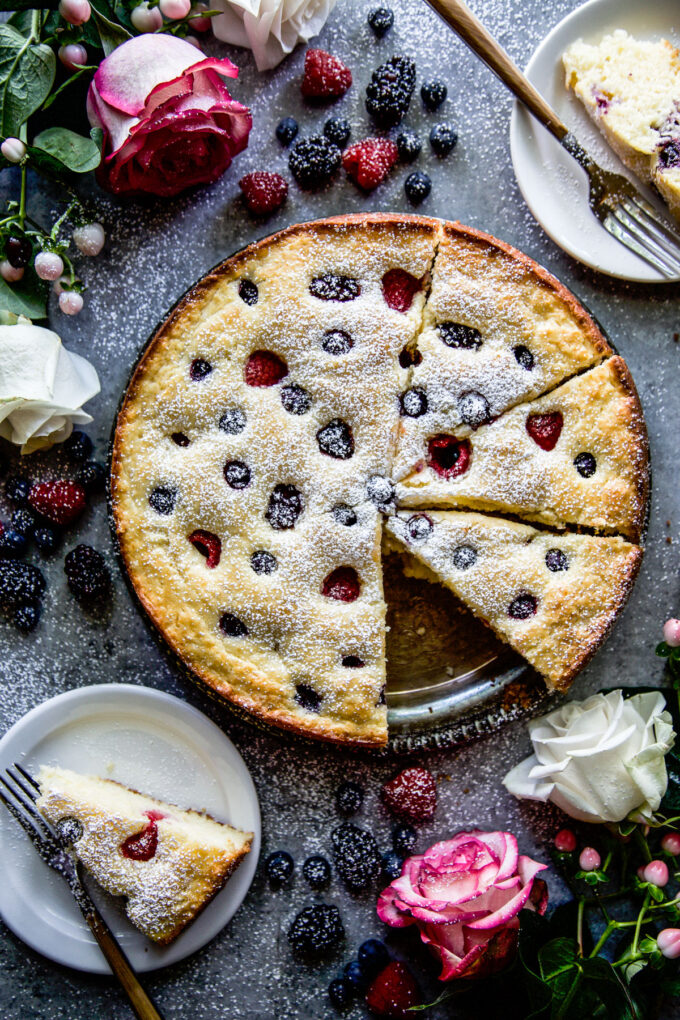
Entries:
{"x":585,"y":464}
{"x":26,"y":616}
{"x":263,"y":562}
{"x":417,"y":187}
{"x":337,"y":130}
{"x":24,"y":521}
{"x":381,"y":20}
{"x":356,"y":976}
{"x":317,"y":871}
{"x":556,"y":560}
{"x":316,"y":930}
{"x":233,"y":421}
{"x":356,"y":856}
{"x":162,"y":499}
{"x":78,"y":446}
{"x":442,"y":139}
{"x":232,"y":626}
{"x":343,"y":514}
{"x":92,"y":476}
{"x":12,"y":544}
{"x":46,"y":539}
{"x":279,"y":867}
{"x":373,"y":956}
{"x":408,"y":145}
{"x":404,"y":839}
{"x":433,"y":94}
{"x":199,"y":369}
{"x":349,"y":798}
{"x":17,"y":489}
{"x":248,"y":292}
{"x":340,"y":993}
{"x":286,"y":130}
{"x":391,"y":866}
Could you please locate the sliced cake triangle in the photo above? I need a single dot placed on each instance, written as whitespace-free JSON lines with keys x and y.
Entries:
{"x":552,"y":597}
{"x":166,"y":862}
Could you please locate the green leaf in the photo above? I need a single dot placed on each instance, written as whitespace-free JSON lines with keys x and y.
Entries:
{"x":27,"y":5}
{"x":111,"y":34}
{"x":73,"y":152}
{"x":27,"y":297}
{"x":26,"y":75}
{"x":610,"y":989}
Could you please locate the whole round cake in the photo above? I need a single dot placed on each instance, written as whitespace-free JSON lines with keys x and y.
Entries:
{"x":363,"y":384}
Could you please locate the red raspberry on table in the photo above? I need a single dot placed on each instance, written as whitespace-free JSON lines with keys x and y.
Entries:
{"x":393,"y":992}
{"x":61,"y":502}
{"x":412,"y":794}
{"x":369,"y":161}
{"x":263,"y":192}
{"x":399,"y":288}
{"x":325,"y":77}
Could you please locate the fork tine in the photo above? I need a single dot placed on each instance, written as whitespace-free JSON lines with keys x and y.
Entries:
{"x":622,"y":233}
{"x":27,"y":776}
{"x":641,"y":233}
{"x":637,"y":204}
{"x":25,"y":790}
{"x":37,"y":820}
{"x":23,"y":821}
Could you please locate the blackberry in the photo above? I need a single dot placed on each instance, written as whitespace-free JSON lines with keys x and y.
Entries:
{"x":408,"y":145}
{"x":313,"y":161}
{"x":17,"y":489}
{"x":356,"y":976}
{"x":317,"y":871}
{"x":92,"y":476}
{"x":388,"y":94}
{"x":335,"y":440}
{"x":404,"y":838}
{"x":26,"y":616}
{"x":349,"y":798}
{"x":284,"y":507}
{"x":46,"y":538}
{"x":78,"y":446}
{"x":337,"y":130}
{"x":417,"y":187}
{"x":391,"y":866}
{"x":279,"y":867}
{"x":442,"y":139}
{"x":335,"y":287}
{"x":286,"y":130}
{"x":433,"y":94}
{"x":316,"y":930}
{"x":373,"y":956}
{"x":86,"y":572}
{"x":341,"y":993}
{"x":356,"y":855}
{"x":24,"y":520}
{"x":12,"y":544}
{"x":20,"y":583}
{"x":380,"y":21}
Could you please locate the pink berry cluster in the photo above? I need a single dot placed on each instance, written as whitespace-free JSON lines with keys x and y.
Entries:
{"x":147,"y":17}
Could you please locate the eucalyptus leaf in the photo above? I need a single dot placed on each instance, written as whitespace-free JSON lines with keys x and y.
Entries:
{"x":26,"y":76}
{"x":27,"y":297}
{"x":74,"y":152}
{"x":111,"y":34}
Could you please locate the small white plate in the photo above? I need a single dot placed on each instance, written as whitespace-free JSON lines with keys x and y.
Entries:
{"x":554,"y":186}
{"x":156,"y":744}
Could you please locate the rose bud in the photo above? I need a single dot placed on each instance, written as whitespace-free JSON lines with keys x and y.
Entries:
{"x":671,"y":633}
{"x":668,"y":942}
{"x":656,"y":873}
{"x":589,"y":860}
{"x":671,"y":843}
{"x":565,"y":841}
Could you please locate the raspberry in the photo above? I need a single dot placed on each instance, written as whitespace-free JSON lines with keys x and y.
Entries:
{"x":263,"y":192}
{"x":325,"y":77}
{"x":369,"y":162}
{"x":208,"y":544}
{"x":342,"y":584}
{"x":412,"y":794}
{"x":399,"y":288}
{"x":264,"y":368}
{"x":316,"y":930}
{"x":61,"y":502}
{"x":388,"y":95}
{"x":356,"y":855}
{"x":313,"y":161}
{"x":448,"y":456}
{"x":393,"y":992}
{"x":545,"y":429}
{"x":86,"y":572}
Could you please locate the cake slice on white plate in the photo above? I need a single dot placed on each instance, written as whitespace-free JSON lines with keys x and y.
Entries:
{"x":631,"y":89}
{"x":168,"y":863}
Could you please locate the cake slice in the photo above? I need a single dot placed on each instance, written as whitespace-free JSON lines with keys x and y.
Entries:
{"x":631,"y":89}
{"x":577,"y":455}
{"x":551,"y":597}
{"x":166,"y":862}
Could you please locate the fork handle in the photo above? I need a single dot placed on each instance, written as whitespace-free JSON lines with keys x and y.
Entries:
{"x":470,"y":29}
{"x":142,"y":1005}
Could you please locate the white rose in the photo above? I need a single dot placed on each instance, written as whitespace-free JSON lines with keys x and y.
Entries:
{"x":599,"y":760}
{"x":270,"y":28}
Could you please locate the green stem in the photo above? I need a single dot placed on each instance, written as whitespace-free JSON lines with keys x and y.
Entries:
{"x":579,"y":925}
{"x":638,"y":925}
{"x":603,"y":937}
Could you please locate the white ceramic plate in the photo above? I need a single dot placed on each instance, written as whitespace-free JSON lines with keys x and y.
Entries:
{"x":156,"y":744}
{"x":553,"y":185}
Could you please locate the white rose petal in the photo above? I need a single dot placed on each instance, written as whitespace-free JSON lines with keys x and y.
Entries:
{"x":270,"y":28}
{"x":599,"y":760}
{"x":42,"y":387}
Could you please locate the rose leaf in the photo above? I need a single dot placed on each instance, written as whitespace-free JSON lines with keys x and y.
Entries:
{"x":72,"y":151}
{"x":111,"y":34}
{"x":26,"y":75}
{"x":26,"y":297}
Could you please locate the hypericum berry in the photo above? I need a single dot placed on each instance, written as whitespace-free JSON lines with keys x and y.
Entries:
{"x":89,"y":239}
{"x":145,"y":18}
{"x":412,"y":794}
{"x":286,"y":130}
{"x":408,"y":145}
{"x":369,"y":161}
{"x":279,"y":867}
{"x":61,"y":502}
{"x":76,"y":12}
{"x":337,"y":130}
{"x":72,"y":56}
{"x":18,"y":251}
{"x":392,"y":864}
{"x":404,"y":838}
{"x":200,"y":24}
{"x":671,"y":633}
{"x":316,"y":930}
{"x":380,"y":21}
{"x":671,"y":843}
{"x":48,"y":265}
{"x":13,"y":543}
{"x":20,"y":583}
{"x":175,"y":10}
{"x":565,"y":841}
{"x":313,"y":161}
{"x":263,"y":192}
{"x":388,"y":94}
{"x":325,"y":77}
{"x":86,"y":572}
{"x":70,"y":302}
{"x":433,"y":94}
{"x":349,"y":797}
{"x":78,"y":446}
{"x":393,"y":992}
{"x":373,"y":956}
{"x":656,"y":873}
{"x":26,"y":617}
{"x":47,"y":539}
{"x":13,"y":149}
{"x":417,"y":187}
{"x":668,"y":942}
{"x":317,"y":871}
{"x":357,"y":977}
{"x":443,"y":138}
{"x":9,"y":273}
{"x":17,"y":489}
{"x":23,"y":520}
{"x":356,"y":855}
{"x":589,"y":859}
{"x":341,"y":993}
{"x":92,"y":476}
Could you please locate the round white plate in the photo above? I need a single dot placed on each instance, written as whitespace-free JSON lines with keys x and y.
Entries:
{"x":156,"y":744}
{"x":554,"y":186}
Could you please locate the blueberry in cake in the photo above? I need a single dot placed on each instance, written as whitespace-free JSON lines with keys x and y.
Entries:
{"x":631,"y":89}
{"x":311,"y":386}
{"x":166,"y":862}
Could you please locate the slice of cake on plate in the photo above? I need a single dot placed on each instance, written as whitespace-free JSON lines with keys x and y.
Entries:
{"x":168,"y":863}
{"x":631,"y":89}
{"x":551,"y":597}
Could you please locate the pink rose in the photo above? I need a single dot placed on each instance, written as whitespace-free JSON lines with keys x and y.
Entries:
{"x":168,"y":120}
{"x":465,"y":895}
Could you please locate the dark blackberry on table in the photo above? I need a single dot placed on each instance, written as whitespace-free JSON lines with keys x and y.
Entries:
{"x":337,"y":130}
{"x":317,"y":871}
{"x":408,"y":145}
{"x":17,"y":488}
{"x":433,"y":94}
{"x":313,"y":161}
{"x":286,"y":130}
{"x":20,"y":583}
{"x":78,"y":446}
{"x":443,"y":138}
{"x":92,"y":476}
{"x":279,"y":867}
{"x":86,"y":572}
{"x":388,"y":94}
{"x":349,"y":797}
{"x":417,"y":187}
{"x":316,"y":930}
{"x":357,"y":858}
{"x":380,"y":21}
{"x":26,"y":616}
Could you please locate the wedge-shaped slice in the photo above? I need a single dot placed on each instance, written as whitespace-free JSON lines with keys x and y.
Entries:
{"x":551,"y":597}
{"x":497,"y":330}
{"x":575,"y":456}
{"x":167,"y":863}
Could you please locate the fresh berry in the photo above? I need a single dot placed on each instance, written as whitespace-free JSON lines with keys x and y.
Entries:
{"x":78,"y":446}
{"x":26,"y":616}
{"x":313,"y":161}
{"x":208,"y":545}
{"x":263,"y":192}
{"x":23,"y":520}
{"x":46,"y":539}
{"x":388,"y":95}
{"x":393,"y":992}
{"x":199,"y":369}
{"x":342,"y":584}
{"x":325,"y":77}
{"x":404,"y":838}
{"x":399,"y":288}
{"x":264,"y":368}
{"x":392,"y":864}
{"x":20,"y":583}
{"x":412,"y":794}
{"x":307,"y":698}
{"x":356,"y":976}
{"x":86,"y":572}
{"x":61,"y":502}
{"x":373,"y":956}
{"x":317,"y":871}
{"x":341,"y":993}
{"x":286,"y":130}
{"x":408,"y":145}
{"x":443,"y":139}
{"x":456,"y":334}
{"x":335,"y":440}
{"x":448,"y":456}
{"x":345,"y":515}
{"x":417,"y":187}
{"x":356,"y":855}
{"x":433,"y":94}
{"x":463,"y":557}
{"x":349,"y":797}
{"x":92,"y":476}
{"x":565,"y":841}
{"x":337,"y":130}
{"x":369,"y":161}
{"x":17,"y":489}
{"x":263,"y":562}
{"x":316,"y":930}
{"x":18,"y":251}
{"x":248,"y":292}
{"x":335,"y":287}
{"x":12,"y":543}
{"x":523,"y":606}
{"x":545,"y":429}
{"x":279,"y":867}
{"x":381,"y":20}
{"x":284,"y":508}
